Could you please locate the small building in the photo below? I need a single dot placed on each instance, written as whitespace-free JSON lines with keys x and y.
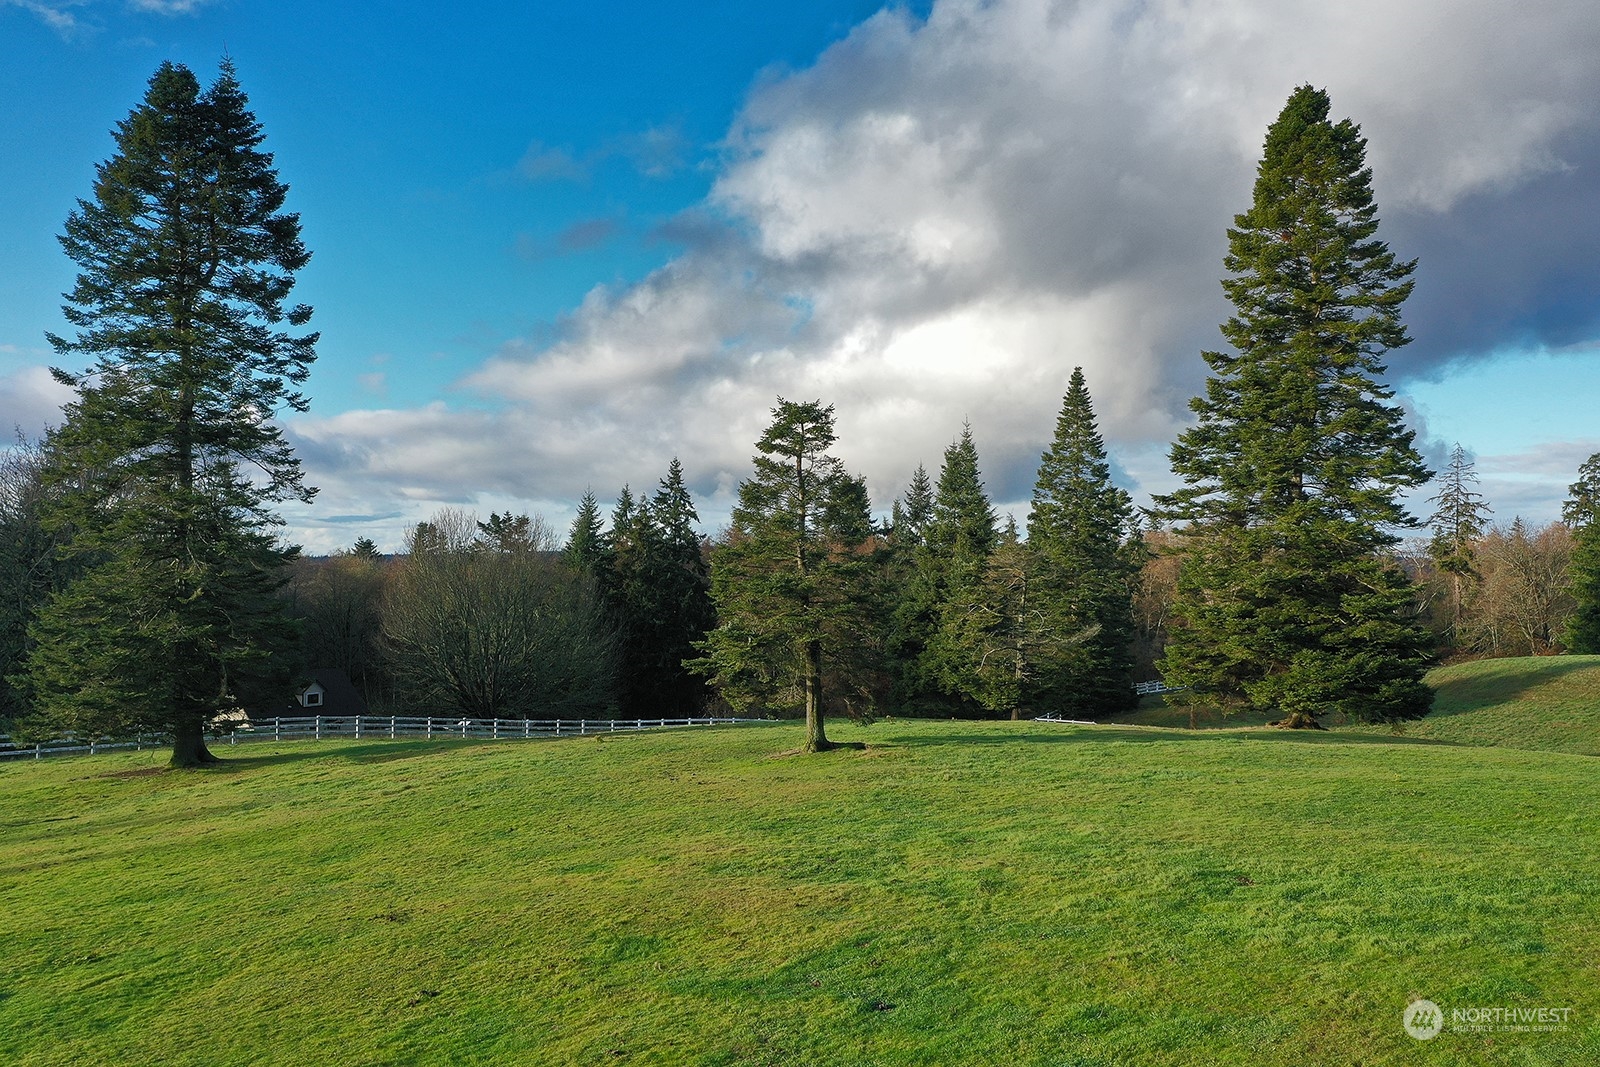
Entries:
{"x":330,"y":692}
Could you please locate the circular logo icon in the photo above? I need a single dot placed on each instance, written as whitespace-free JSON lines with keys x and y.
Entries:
{"x":1423,"y":1019}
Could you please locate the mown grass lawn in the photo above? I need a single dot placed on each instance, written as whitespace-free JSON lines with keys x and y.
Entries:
{"x":956,"y":893}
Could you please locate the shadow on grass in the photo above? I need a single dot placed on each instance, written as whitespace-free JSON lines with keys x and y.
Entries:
{"x":1088,"y":735}
{"x":348,"y":749}
{"x":1504,"y":681}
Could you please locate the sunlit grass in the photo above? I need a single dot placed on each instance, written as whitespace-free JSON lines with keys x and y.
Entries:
{"x":955,"y":893}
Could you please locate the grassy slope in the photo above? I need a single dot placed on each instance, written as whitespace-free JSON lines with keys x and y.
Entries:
{"x":1544,"y":702}
{"x":1535,"y":702}
{"x":958,"y":893}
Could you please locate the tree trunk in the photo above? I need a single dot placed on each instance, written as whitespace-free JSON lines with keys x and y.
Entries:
{"x":1298,"y":720}
{"x":189,"y":747}
{"x":816,"y":738}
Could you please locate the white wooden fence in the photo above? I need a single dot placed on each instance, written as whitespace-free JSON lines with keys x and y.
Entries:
{"x":370,"y":727}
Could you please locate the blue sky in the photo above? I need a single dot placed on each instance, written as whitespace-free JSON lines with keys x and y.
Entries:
{"x":555,"y":246}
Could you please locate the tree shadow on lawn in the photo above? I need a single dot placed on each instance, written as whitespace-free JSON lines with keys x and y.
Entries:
{"x":354,"y":752}
{"x":1504,"y":684}
{"x":1086,"y":735}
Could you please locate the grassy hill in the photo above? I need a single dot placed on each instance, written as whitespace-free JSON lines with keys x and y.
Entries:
{"x":1534,"y":702}
{"x":956,"y":893}
{"x":1540,"y":702}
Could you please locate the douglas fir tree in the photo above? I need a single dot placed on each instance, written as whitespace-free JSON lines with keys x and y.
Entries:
{"x":1292,"y":477}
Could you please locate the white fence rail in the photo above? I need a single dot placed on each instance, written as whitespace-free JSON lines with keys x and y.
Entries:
{"x":1145,"y":689}
{"x":372,"y":727}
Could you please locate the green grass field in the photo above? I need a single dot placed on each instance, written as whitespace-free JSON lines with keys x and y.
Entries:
{"x":956,"y":893}
{"x":1543,"y":702}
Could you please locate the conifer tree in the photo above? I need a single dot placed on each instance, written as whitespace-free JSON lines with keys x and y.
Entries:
{"x":587,"y":548}
{"x":1459,"y":521}
{"x":791,"y":591}
{"x":1081,"y":535}
{"x":677,"y":595}
{"x":1582,"y":513}
{"x":952,"y":563}
{"x":911,"y":514}
{"x":1292,"y":476}
{"x":912,"y":594}
{"x":169,"y":456}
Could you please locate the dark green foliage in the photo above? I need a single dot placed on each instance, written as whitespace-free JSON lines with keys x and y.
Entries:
{"x":587,"y":547}
{"x":1582,"y":513}
{"x":168,"y":456}
{"x":908,"y":520}
{"x":365,"y":548}
{"x":913,"y":617}
{"x":338,"y":605}
{"x":1086,"y":555}
{"x":29,"y":567}
{"x":997,"y":627}
{"x":659,"y":584}
{"x":1292,"y":476}
{"x":515,"y":533}
{"x":793,"y":586}
{"x":950,"y":581}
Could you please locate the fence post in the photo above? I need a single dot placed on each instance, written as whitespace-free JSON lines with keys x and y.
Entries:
{"x":319,"y":727}
{"x":391,"y":727}
{"x":429,"y":721}
{"x":358,"y":727}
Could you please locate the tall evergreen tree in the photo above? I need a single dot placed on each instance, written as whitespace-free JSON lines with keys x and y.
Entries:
{"x":952,"y":564}
{"x":1293,"y":474}
{"x":169,"y":456}
{"x":911,"y":514}
{"x":1582,"y":513}
{"x":1458,"y":522}
{"x":789,"y":588}
{"x":29,"y":567}
{"x":587,"y":547}
{"x":1082,"y":538}
{"x":911,"y":593}
{"x":677,"y":596}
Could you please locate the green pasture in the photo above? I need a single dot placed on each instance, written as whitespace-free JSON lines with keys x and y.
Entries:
{"x":953,"y":893}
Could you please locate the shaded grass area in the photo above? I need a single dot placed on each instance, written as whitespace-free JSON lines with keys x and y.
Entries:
{"x":956,"y":893}
{"x":1535,"y":702}
{"x":1532,"y":702}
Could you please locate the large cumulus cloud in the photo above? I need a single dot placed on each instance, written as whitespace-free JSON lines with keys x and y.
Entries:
{"x":939,"y":218}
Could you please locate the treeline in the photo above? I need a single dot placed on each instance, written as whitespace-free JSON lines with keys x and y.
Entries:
{"x":1513,"y":589}
{"x":143,"y":584}
{"x":940,"y":610}
{"x":497,"y":619}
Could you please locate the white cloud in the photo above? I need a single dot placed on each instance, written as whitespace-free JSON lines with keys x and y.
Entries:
{"x":30,"y":401}
{"x":168,"y":7}
{"x":58,"y":15}
{"x":938,"y":220}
